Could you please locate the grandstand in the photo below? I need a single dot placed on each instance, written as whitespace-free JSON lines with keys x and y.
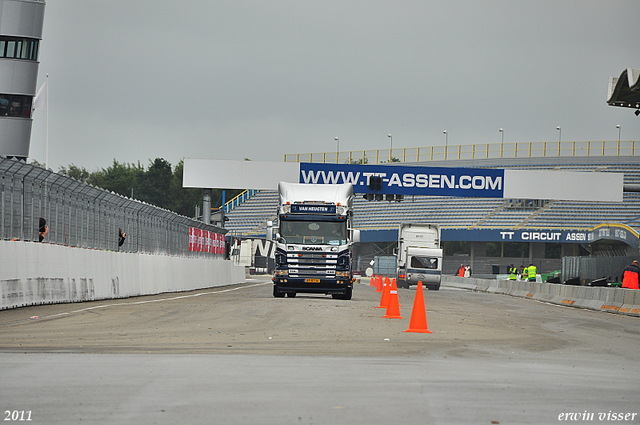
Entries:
{"x":250,"y":217}
{"x":377,"y":218}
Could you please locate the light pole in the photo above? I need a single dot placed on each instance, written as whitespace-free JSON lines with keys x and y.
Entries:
{"x":559,"y":134}
{"x":391,"y":148}
{"x":502,"y":133}
{"x":337,"y":139}
{"x":446,"y":143}
{"x":618,"y":127}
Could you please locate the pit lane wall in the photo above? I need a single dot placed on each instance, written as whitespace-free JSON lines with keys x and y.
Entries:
{"x":612,"y":300}
{"x":35,"y":273}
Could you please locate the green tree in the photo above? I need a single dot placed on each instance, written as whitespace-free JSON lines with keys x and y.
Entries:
{"x":183,"y":199}
{"x":155,"y":184}
{"x":158,"y":185}
{"x":78,"y":173}
{"x":119,"y":178}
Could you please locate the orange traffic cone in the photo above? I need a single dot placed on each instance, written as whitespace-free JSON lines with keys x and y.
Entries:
{"x":380,"y":285}
{"x":418,"y":314}
{"x":386,"y":289}
{"x":374,"y":281}
{"x":393,"y":285}
{"x":393,"y":309}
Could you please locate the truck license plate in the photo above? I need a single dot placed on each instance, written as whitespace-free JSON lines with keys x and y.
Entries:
{"x":312,"y":280}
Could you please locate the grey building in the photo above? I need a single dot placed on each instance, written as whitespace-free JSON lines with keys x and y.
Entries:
{"x":20,"y":34}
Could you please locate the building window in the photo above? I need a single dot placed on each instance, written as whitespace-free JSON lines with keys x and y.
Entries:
{"x":13,"y":105}
{"x":19,"y":48}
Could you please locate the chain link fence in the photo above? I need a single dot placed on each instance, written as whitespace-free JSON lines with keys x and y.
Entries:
{"x":82,"y":215}
{"x":591,"y":268}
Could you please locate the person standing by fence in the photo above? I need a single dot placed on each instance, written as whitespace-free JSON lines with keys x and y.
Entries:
{"x":43,"y":229}
{"x":631,"y":276}
{"x":121,"y":237}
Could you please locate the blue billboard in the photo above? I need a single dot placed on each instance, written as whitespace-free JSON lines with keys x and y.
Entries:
{"x":408,"y":180}
{"x":602,"y":232}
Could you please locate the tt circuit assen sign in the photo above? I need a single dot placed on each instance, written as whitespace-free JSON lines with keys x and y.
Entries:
{"x":603,"y":232}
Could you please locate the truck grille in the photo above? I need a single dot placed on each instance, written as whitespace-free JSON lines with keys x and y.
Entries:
{"x":312,"y":264}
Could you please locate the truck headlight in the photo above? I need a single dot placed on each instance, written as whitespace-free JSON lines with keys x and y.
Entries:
{"x":284,"y":273}
{"x":342,"y":273}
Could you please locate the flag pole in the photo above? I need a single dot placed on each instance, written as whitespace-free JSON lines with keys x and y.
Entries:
{"x":46,"y":155}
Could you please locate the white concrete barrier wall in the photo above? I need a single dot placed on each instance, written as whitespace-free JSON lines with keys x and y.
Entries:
{"x":34,"y":273}
{"x":613,"y":300}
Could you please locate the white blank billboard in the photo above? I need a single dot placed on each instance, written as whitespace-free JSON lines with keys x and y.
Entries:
{"x":224,"y":174}
{"x":563,"y":185}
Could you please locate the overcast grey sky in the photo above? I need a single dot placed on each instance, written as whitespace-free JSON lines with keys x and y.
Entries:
{"x":136,"y":80}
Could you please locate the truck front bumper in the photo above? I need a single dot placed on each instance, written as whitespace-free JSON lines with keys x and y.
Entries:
{"x":324,"y":286}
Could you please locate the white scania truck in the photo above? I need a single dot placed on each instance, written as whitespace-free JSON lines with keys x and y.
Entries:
{"x":314,"y":240}
{"x":419,"y":255}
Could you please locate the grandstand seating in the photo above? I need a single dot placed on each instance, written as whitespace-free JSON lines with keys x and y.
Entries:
{"x":250,"y":217}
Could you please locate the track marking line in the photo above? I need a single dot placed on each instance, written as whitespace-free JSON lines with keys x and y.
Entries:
{"x":68,"y":313}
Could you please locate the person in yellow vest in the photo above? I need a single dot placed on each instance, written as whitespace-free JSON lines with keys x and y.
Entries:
{"x":513,"y":272}
{"x":532,"y":271}
{"x":524,"y":272}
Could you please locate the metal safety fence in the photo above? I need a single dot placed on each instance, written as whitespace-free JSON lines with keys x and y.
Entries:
{"x":81,"y":215}
{"x":591,"y":268}
{"x":475,"y":151}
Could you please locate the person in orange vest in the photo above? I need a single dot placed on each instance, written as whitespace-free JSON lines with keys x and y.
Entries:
{"x":631,"y":276}
{"x":461,"y":270}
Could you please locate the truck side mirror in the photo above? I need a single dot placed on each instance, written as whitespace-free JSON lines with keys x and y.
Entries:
{"x":395,"y":251}
{"x":269,"y":230}
{"x":356,"y":236}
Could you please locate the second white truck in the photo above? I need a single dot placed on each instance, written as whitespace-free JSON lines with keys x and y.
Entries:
{"x":419,"y":256}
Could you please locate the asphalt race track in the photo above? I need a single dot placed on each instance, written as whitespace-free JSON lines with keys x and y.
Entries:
{"x":236,"y":355}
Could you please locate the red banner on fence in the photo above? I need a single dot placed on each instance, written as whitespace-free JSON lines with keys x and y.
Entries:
{"x":206,"y":241}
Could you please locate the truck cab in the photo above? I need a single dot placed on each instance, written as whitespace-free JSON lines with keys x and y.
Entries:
{"x":419,"y":256}
{"x":314,"y":240}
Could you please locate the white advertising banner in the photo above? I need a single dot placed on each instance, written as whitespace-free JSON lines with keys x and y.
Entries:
{"x":226,"y":174}
{"x":563,"y":185}
{"x":410,"y":180}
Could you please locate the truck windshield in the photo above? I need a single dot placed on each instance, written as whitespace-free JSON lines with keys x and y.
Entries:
{"x":314,"y":232}
{"x":424,"y":263}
